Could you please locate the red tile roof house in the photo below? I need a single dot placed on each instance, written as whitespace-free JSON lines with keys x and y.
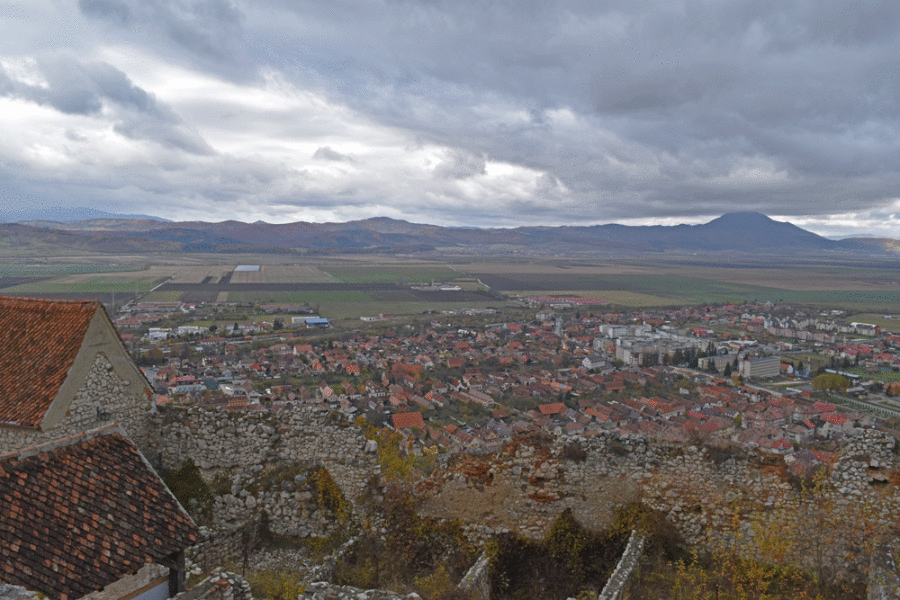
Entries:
{"x":88,"y":513}
{"x":64,"y":370}
{"x":408,"y":419}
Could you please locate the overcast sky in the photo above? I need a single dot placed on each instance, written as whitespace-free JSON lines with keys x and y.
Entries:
{"x":456,"y":112}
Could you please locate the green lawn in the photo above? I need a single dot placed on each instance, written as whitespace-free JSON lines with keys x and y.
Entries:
{"x":878,"y":319}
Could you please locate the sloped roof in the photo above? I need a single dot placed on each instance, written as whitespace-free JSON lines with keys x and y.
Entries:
{"x":82,"y":512}
{"x":39,"y":340}
{"x":552,"y":409}
{"x":410,"y":419}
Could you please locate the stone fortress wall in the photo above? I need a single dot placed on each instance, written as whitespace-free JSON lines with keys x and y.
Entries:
{"x":242,"y":445}
{"x":715,"y":498}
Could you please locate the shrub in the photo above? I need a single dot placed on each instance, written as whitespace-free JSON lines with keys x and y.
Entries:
{"x":569,"y":561}
{"x":617,"y":447}
{"x":276,"y":585}
{"x":722,"y":453}
{"x":188,"y":486}
{"x":412,"y":552}
{"x":573,"y":451}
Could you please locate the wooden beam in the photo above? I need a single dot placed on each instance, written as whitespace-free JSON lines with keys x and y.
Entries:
{"x":177,"y":572}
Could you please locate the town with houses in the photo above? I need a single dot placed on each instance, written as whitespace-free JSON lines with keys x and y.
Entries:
{"x":459,"y":382}
{"x":294,"y":419}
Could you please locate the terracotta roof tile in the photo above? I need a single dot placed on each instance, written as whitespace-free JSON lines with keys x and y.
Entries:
{"x":554,"y":408}
{"x":45,"y":335}
{"x":410,"y":419}
{"x":80,"y":513}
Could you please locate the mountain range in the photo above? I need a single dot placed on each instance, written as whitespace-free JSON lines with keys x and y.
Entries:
{"x":740,"y":232}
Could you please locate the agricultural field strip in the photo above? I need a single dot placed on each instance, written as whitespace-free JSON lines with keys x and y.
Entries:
{"x":403,"y":275}
{"x":99,"y":285}
{"x":284,"y":274}
{"x":197,"y":274}
{"x":793,"y":278}
{"x":684,"y":289}
{"x":620,"y":297}
{"x":278,"y":287}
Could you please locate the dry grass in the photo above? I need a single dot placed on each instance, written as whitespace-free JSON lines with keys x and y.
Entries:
{"x":283,"y":274}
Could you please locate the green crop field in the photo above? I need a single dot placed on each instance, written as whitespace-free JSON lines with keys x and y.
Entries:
{"x":352,"y":305}
{"x":300,"y":297}
{"x":32,"y":270}
{"x":97,"y":284}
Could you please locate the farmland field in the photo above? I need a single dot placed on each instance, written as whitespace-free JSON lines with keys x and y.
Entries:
{"x":84,"y":285}
{"x":199,"y":274}
{"x":373,"y":284}
{"x":864,"y":290}
{"x":393,"y":273}
{"x":283,"y":274}
{"x":880,"y":319}
{"x":616,"y":297}
{"x":311,"y":297}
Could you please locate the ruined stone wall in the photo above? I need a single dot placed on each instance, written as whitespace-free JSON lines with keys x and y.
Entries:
{"x":221,"y":585}
{"x":615,"y":587}
{"x":220,"y":546}
{"x":242,"y":449}
{"x":715,"y":498}
{"x":104,"y":398}
{"x":884,"y":578}
{"x":476,"y":583}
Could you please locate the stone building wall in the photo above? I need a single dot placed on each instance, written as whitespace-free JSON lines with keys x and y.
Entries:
{"x":104,"y":397}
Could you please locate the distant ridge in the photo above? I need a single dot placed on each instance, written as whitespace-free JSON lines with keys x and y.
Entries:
{"x":59,"y":214}
{"x":743,"y":232}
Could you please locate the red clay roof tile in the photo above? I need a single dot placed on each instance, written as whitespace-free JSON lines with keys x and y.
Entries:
{"x":410,"y":419}
{"x":39,"y":340}
{"x":64,"y":509}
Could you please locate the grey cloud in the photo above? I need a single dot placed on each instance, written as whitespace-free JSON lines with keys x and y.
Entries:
{"x":460,"y":165}
{"x":207,"y":33}
{"x":85,"y":88}
{"x":326,"y":153}
{"x":111,"y":10}
{"x":668,"y":98}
